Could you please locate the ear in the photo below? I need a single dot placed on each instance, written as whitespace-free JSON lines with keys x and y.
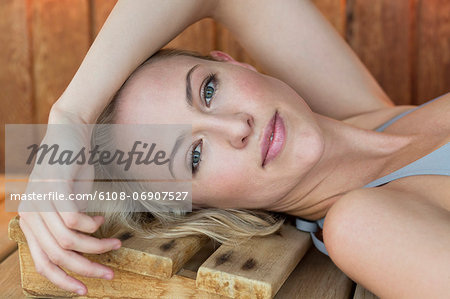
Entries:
{"x":222,"y":56}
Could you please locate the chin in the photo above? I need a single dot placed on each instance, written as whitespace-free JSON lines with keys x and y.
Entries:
{"x":306,"y":148}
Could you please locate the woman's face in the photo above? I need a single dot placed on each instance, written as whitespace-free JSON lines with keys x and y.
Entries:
{"x":231,"y":108}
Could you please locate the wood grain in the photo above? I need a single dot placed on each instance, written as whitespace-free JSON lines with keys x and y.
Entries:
{"x":100,"y":10}
{"x":256,"y":268}
{"x":380,"y":33}
{"x":334,"y":11}
{"x":160,"y":258}
{"x":124,"y":284}
{"x":10,"y":278}
{"x":432,"y":75}
{"x":60,"y":38}
{"x":6,"y":245}
{"x":316,"y":276}
{"x":15,"y":68}
{"x":362,"y":293}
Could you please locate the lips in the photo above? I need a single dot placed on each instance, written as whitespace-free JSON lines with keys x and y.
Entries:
{"x":273,"y":139}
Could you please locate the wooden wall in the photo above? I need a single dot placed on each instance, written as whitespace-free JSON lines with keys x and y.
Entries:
{"x":404,"y":43}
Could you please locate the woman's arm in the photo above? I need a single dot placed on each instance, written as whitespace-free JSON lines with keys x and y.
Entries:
{"x":290,"y":38}
{"x":394,"y":242}
{"x":133,"y":31}
{"x":296,"y":44}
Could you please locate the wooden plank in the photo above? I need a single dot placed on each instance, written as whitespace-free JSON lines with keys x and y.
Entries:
{"x":190,"y":268}
{"x":201,"y":256}
{"x":12,"y":179}
{"x":2,"y":187}
{"x":362,"y":293}
{"x":432,"y":76}
{"x":380,"y":33}
{"x":15,"y":71}
{"x":10,"y":278}
{"x":6,"y":245}
{"x":60,"y":41}
{"x":197,"y":37}
{"x":100,"y":10}
{"x":256,"y":268}
{"x":334,"y":11}
{"x":124,"y":284}
{"x":160,"y":258}
{"x":316,"y":276}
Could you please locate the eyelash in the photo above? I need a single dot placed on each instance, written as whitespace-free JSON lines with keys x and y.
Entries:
{"x":194,"y":169}
{"x":211,"y":78}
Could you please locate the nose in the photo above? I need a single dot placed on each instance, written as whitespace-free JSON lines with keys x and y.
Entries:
{"x":236,"y":128}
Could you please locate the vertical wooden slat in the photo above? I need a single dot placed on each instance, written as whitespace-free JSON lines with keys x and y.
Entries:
{"x":100,"y":10}
{"x":432,"y":75}
{"x":6,"y":245}
{"x":60,"y":37}
{"x":15,"y":75}
{"x":379,"y":32}
{"x":197,"y":37}
{"x":334,"y":11}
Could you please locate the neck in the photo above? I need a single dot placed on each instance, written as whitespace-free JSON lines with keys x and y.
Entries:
{"x":352,"y":158}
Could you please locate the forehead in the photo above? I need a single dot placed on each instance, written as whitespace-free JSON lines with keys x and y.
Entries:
{"x":157,"y":93}
{"x":156,"y":97}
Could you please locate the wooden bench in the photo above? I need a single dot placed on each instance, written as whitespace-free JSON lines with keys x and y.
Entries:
{"x":283,"y":265}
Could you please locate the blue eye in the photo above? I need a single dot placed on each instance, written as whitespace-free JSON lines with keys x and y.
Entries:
{"x":196,"y":157}
{"x":209,"y":89}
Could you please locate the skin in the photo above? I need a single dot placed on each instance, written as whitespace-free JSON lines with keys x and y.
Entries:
{"x":303,"y":180}
{"x":308,"y":55}
{"x":320,"y":171}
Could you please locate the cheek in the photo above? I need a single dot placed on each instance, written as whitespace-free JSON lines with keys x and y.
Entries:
{"x":229,"y":180}
{"x":227,"y":188}
{"x":249,"y":87}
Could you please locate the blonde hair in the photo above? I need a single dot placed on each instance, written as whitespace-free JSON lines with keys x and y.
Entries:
{"x":223,"y":225}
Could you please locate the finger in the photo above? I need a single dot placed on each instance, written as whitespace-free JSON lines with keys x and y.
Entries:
{"x":81,"y":222}
{"x":72,"y":240}
{"x":47,"y":269}
{"x":69,"y":210}
{"x":65,"y":258}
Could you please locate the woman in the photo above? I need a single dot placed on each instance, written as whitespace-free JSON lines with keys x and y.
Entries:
{"x":315,"y":164}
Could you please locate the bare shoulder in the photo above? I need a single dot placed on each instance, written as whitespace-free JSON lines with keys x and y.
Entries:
{"x":384,"y":238}
{"x":373,"y":119}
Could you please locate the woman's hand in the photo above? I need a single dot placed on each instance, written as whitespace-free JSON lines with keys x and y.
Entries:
{"x":57,"y":232}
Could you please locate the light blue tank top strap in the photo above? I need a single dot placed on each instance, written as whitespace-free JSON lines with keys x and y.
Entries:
{"x":393,"y":120}
{"x":436,"y":162}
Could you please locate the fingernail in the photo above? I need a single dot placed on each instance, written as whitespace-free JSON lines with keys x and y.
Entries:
{"x":117,"y":246}
{"x":81,"y":292}
{"x":108,"y":276}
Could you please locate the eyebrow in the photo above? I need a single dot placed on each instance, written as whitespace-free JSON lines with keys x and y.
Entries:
{"x":175,"y":148}
{"x":189,"y":85}
{"x":181,"y":138}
